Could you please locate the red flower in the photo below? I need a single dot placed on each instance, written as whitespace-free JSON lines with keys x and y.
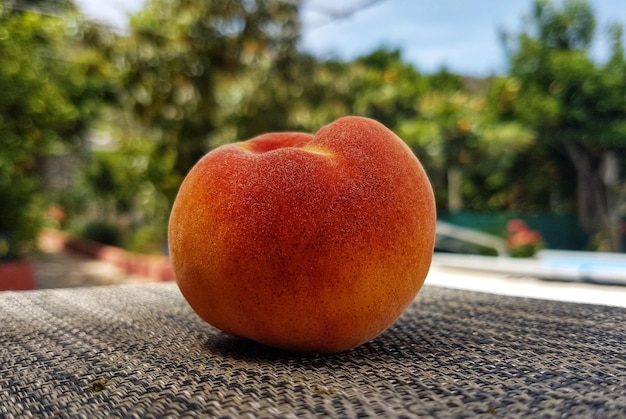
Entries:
{"x":516,"y":225}
{"x":522,"y":241}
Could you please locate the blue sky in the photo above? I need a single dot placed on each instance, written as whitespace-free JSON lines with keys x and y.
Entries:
{"x":459,"y":34}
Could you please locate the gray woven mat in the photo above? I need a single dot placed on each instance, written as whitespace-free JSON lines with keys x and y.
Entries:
{"x":139,"y":351}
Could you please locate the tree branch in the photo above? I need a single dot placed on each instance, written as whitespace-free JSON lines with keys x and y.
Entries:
{"x":340,"y":14}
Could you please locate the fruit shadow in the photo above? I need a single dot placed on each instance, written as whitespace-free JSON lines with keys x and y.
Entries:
{"x":407,"y":340}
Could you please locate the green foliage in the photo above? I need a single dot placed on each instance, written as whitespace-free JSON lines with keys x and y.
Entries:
{"x":184,"y":64}
{"x":458,"y":136}
{"x":32,"y":109}
{"x":569,"y":26}
{"x":190,"y":76}
{"x":148,"y":239}
{"x":576,"y":106}
{"x":387,"y":89}
{"x":53,"y":80}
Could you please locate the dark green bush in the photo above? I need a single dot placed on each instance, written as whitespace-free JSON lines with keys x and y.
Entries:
{"x":103,"y":232}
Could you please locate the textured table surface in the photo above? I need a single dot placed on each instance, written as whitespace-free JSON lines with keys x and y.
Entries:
{"x":139,"y":351}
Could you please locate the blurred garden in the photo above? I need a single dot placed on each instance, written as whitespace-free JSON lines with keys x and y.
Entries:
{"x":98,"y":128}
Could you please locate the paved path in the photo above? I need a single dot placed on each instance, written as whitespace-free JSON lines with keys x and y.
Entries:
{"x":63,"y":269}
{"x":57,"y":267}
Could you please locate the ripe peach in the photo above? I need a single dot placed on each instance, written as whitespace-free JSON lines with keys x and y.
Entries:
{"x":311,"y":243}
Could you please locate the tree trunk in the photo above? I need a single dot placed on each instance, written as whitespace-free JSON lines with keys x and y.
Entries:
{"x":598,"y":211}
{"x":455,"y":200}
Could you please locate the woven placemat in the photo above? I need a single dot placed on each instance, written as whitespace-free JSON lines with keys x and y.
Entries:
{"x":139,"y":351}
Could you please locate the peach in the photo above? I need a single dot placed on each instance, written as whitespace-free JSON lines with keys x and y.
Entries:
{"x":310,"y":243}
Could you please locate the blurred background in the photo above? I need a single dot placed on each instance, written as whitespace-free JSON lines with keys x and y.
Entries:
{"x":517,"y":110}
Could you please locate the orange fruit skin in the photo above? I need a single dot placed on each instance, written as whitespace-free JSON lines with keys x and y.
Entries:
{"x":310,"y":243}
